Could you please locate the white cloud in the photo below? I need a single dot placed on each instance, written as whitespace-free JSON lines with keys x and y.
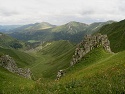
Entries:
{"x":60,"y":11}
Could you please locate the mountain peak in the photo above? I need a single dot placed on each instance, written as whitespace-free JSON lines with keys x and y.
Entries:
{"x":74,"y":23}
{"x":45,"y":23}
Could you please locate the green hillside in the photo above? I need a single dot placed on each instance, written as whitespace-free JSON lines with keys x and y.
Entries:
{"x":99,"y":73}
{"x":94,"y":27}
{"x":10,"y":82}
{"x":116,"y":34}
{"x":53,"y":57}
{"x":44,"y":65}
{"x":9,"y":42}
{"x":71,"y":27}
{"x":22,"y":59}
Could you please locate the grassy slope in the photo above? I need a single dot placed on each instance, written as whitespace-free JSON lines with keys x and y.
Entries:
{"x":9,"y":82}
{"x":116,"y":34}
{"x":22,"y":59}
{"x":52,"y":58}
{"x":44,"y":65}
{"x":99,"y":73}
{"x":5,"y":40}
{"x":13,"y":84}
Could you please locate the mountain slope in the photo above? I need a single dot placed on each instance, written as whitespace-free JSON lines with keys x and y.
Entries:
{"x":94,"y":74}
{"x":9,"y":42}
{"x":33,"y":27}
{"x":22,"y":59}
{"x":71,"y":27}
{"x":52,"y":57}
{"x":116,"y":34}
{"x":97,"y":71}
{"x":40,"y":26}
{"x":96,"y":26}
{"x":10,"y":82}
{"x":43,"y":65}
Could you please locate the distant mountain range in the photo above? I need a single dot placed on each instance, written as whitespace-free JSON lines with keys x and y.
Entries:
{"x":7,"y":28}
{"x":72,"y":31}
{"x":33,"y":27}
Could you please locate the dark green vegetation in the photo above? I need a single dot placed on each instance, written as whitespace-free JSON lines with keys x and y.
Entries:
{"x":116,"y":34}
{"x":22,"y":59}
{"x":72,"y":31}
{"x":9,"y":42}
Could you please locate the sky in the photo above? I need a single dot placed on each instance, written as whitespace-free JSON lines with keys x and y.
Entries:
{"x":59,"y":12}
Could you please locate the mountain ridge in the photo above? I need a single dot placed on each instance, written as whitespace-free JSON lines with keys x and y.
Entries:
{"x":72,"y":31}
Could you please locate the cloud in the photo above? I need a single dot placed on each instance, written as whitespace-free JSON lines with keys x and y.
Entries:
{"x":6,"y":13}
{"x":60,"y":11}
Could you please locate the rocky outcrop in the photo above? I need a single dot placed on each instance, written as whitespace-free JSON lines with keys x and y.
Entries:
{"x":8,"y":63}
{"x":89,"y":43}
{"x":60,"y":74}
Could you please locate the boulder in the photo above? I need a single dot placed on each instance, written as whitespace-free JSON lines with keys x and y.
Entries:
{"x":60,"y":74}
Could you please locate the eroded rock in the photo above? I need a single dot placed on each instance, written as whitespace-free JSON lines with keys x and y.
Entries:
{"x":8,"y":63}
{"x":89,"y":43}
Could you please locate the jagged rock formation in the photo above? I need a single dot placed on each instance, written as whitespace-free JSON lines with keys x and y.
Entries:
{"x":8,"y":63}
{"x":89,"y":43}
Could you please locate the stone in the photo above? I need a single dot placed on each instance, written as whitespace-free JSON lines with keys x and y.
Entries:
{"x":8,"y":63}
{"x":89,"y":43}
{"x":60,"y":74}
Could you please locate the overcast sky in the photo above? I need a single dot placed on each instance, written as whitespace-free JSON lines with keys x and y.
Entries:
{"x":60,"y":11}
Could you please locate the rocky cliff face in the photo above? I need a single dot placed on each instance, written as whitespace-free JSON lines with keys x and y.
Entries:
{"x":8,"y":63}
{"x":89,"y":43}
